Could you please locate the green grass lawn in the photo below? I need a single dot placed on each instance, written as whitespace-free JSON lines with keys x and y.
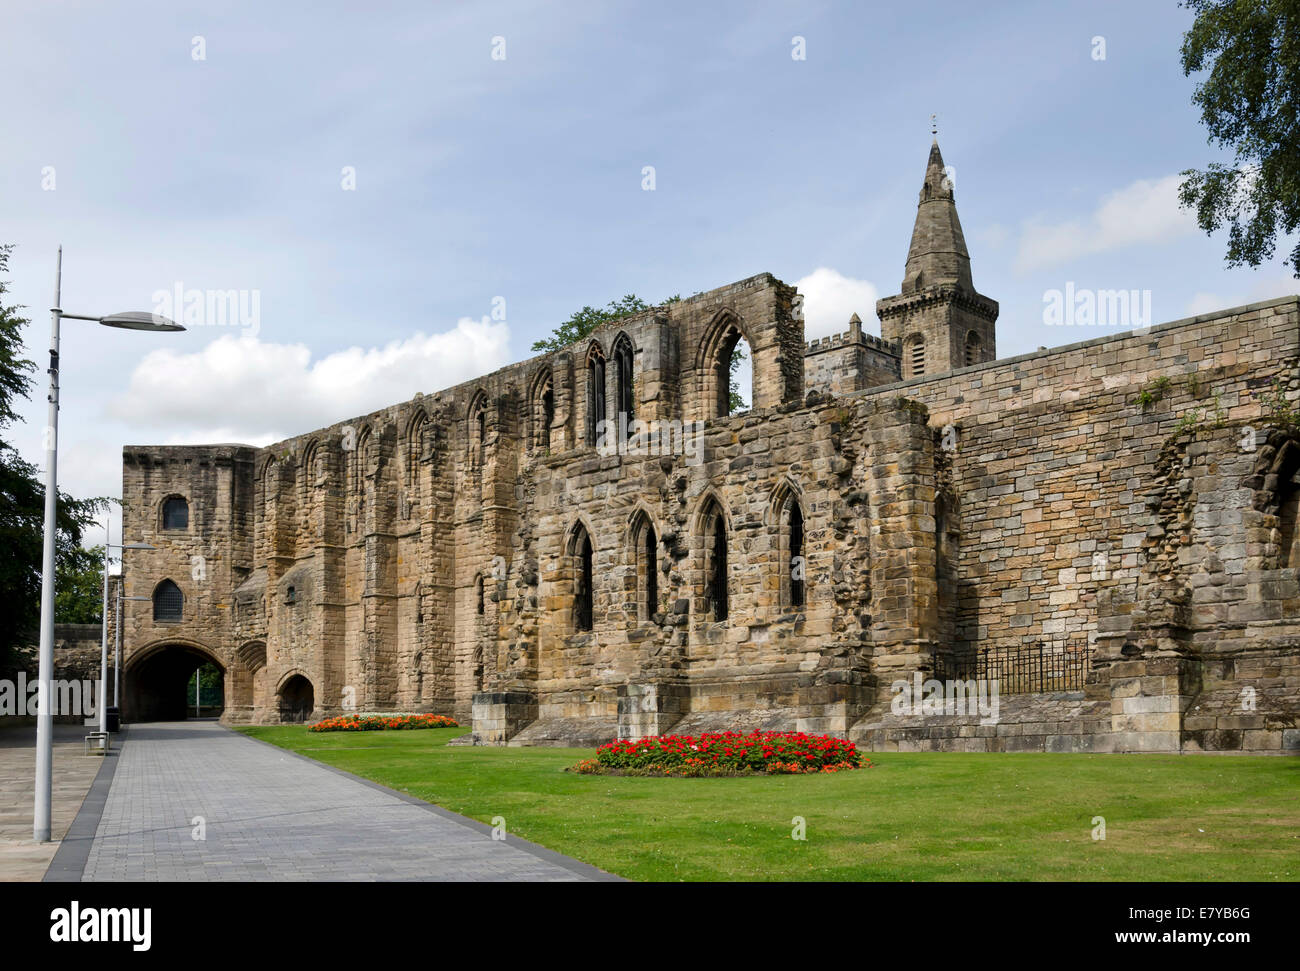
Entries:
{"x":932,"y":816}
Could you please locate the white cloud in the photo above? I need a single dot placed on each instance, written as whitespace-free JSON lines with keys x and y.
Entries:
{"x":830,"y":299}
{"x":1204,"y":303}
{"x":1144,"y":212}
{"x":1267,"y":287}
{"x":242,"y":389}
{"x":996,"y":235}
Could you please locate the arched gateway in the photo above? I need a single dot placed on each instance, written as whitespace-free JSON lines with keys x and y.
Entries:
{"x":154,"y":681}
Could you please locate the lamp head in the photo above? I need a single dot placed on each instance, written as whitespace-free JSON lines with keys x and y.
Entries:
{"x":140,"y":320}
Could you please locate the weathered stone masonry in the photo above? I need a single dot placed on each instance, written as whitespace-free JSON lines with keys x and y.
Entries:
{"x":472,"y":552}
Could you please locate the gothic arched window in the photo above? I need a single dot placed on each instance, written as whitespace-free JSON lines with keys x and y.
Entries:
{"x":477,"y":430}
{"x":794,"y":563}
{"x":595,"y":393}
{"x":168,"y":602}
{"x":715,"y":563}
{"x":583,"y":579}
{"x":542,"y":410}
{"x":646,"y":555}
{"x":624,"y":398}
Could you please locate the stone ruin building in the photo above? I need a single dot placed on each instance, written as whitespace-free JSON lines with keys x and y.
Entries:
{"x":1106,"y":529}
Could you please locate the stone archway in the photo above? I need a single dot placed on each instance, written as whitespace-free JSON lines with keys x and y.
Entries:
{"x":154,"y":681}
{"x":296,"y":699}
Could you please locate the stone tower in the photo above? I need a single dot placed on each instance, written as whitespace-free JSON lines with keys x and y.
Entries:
{"x":938,"y":320}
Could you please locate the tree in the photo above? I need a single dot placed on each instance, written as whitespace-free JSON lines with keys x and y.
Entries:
{"x":211,"y":681}
{"x":1249,"y":103}
{"x":582,"y":323}
{"x":79,"y":585}
{"x":588,"y":319}
{"x":22,"y":499}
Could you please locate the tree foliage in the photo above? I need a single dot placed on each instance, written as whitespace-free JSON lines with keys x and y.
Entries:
{"x":1248,"y":102}
{"x":22,"y":498}
{"x":79,"y":585}
{"x":582,"y":323}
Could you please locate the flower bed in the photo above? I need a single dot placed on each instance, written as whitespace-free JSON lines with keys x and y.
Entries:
{"x":382,"y":723}
{"x":725,"y":753}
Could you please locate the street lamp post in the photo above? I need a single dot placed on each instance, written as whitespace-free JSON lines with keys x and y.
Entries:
{"x":103,"y":646}
{"x":133,"y":320}
{"x":100,"y":701}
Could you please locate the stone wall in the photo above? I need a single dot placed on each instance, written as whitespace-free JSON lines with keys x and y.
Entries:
{"x":429,"y":556}
{"x":1102,"y":495}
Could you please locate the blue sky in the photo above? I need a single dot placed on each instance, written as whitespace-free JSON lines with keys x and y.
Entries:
{"x":521,"y":178}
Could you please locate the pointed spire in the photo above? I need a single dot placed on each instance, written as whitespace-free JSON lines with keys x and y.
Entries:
{"x":938,"y":252}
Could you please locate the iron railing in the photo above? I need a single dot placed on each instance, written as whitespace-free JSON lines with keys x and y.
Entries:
{"x":1030,"y":669}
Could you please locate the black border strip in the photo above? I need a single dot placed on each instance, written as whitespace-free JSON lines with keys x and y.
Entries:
{"x":69,"y":863}
{"x":576,"y":867}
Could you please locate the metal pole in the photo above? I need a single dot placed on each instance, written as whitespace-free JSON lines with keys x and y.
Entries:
{"x":198,"y":680}
{"x":117,"y":653}
{"x":45,"y":671}
{"x":101,"y":698}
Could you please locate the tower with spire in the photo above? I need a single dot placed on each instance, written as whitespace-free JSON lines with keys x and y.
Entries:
{"x":939,"y":320}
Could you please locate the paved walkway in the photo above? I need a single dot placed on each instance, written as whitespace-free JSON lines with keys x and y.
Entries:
{"x":71,"y":773}
{"x":273,"y":815}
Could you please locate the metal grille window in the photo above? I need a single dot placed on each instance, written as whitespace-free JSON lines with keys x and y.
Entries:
{"x":176,"y":513}
{"x":168,"y":601}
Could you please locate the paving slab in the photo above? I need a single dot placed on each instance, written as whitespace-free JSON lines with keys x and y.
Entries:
{"x":196,"y":801}
{"x":72,"y":772}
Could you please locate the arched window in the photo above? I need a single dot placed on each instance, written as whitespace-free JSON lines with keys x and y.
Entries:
{"x":360,"y":471}
{"x":415,"y":449}
{"x":916,"y":356}
{"x":973,"y":349}
{"x":175,"y":513}
{"x":795,"y":562}
{"x":941,"y":565}
{"x":623,"y":378}
{"x":478,"y":430}
{"x":309,"y":466}
{"x":478,"y":595}
{"x":790,"y":533}
{"x":646,"y":553}
{"x":542,"y":410}
{"x":715,"y":563}
{"x":595,"y":393}
{"x":168,"y":602}
{"x":1286,"y":468}
{"x":732,"y":353}
{"x":583,"y":580}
